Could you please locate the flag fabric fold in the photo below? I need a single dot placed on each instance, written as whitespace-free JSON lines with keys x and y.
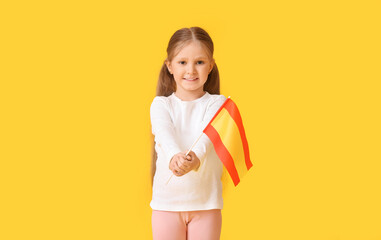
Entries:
{"x":227,"y":134}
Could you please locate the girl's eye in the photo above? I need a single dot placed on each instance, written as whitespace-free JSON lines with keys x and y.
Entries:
{"x":199,"y":62}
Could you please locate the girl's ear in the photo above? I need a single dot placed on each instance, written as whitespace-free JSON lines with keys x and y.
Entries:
{"x":211,"y":65}
{"x":168,"y":66}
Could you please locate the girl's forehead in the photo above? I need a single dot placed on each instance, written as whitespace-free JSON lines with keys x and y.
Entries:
{"x":193,"y":49}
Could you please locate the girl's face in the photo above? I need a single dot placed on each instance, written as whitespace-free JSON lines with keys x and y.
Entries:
{"x":190,"y":69}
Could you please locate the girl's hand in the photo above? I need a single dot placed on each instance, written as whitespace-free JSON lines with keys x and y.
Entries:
{"x":194,"y":161}
{"x":178,"y":164}
{"x":181,"y":165}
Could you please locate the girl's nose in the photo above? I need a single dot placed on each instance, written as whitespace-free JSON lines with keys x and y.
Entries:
{"x":191,"y":69}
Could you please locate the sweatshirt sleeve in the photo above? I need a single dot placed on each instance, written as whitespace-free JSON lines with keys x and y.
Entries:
{"x":204,"y":144}
{"x":163,"y":128}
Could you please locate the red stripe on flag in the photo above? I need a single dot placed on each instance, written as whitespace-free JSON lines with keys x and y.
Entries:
{"x":222,"y":153}
{"x":232,"y":108}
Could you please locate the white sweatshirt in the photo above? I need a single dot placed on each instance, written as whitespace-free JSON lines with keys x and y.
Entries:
{"x":176,"y":124}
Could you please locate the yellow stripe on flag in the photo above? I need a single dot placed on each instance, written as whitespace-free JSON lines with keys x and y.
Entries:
{"x":231,"y":138}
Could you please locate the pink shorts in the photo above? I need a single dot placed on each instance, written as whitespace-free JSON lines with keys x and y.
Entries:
{"x":189,"y":225}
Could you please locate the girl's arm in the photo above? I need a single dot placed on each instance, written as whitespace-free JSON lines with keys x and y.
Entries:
{"x":204,"y":144}
{"x":163,"y":128}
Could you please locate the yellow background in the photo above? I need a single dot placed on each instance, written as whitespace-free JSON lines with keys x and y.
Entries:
{"x":78,"y":77}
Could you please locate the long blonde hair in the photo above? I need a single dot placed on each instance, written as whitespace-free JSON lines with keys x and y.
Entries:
{"x":166,"y":84}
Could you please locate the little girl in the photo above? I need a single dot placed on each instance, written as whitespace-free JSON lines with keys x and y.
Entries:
{"x":188,"y":95}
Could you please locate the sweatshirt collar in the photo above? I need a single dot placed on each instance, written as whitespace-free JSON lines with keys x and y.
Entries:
{"x":191,"y":101}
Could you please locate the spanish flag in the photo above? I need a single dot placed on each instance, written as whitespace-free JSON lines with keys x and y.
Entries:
{"x":227,"y":134}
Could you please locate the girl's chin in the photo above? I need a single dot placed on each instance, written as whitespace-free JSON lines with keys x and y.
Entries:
{"x":193,"y":89}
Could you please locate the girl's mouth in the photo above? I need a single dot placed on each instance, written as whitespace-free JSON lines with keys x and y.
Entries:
{"x":190,"y":79}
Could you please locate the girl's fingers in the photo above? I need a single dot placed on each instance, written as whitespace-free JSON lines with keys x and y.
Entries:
{"x":179,"y":168}
{"x":182,"y":165}
{"x":185,"y":164}
{"x":178,"y":173}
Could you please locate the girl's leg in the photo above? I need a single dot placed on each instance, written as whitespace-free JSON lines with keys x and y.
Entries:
{"x":205,"y":225}
{"x":168,"y":225}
